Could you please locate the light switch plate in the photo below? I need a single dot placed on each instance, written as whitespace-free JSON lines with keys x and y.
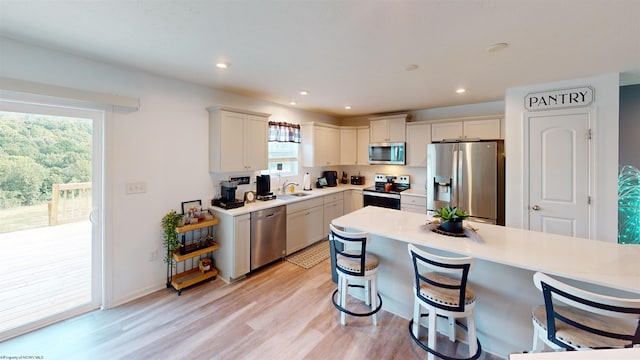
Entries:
{"x":136,"y":187}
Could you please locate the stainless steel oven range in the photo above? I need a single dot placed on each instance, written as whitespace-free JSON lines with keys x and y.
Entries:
{"x":386,"y":192}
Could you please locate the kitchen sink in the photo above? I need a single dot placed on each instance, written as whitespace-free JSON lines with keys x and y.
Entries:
{"x":299,"y":194}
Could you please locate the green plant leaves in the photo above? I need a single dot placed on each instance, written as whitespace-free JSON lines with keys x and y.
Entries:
{"x":169,"y":224}
{"x":448,"y":213}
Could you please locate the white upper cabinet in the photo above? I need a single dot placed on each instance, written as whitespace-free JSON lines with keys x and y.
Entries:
{"x":237,"y":140}
{"x":418,"y":136}
{"x":448,"y":130}
{"x":363,"y":146}
{"x":387,"y":128}
{"x":348,"y":146}
{"x":484,"y":129}
{"x":320,"y":144}
{"x":354,"y":145}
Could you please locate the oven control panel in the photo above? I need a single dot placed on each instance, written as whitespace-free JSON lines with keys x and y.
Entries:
{"x":398,"y":179}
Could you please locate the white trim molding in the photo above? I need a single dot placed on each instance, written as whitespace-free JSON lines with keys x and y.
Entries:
{"x":123,"y":104}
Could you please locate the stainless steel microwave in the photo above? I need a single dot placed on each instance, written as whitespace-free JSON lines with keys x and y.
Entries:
{"x":387,"y":153}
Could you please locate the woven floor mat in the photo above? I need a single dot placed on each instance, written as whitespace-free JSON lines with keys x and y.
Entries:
{"x":311,"y":256}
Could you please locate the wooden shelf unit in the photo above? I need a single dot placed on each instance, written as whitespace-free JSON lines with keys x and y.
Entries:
{"x":200,"y":225}
{"x":192,"y":276}
{"x":178,"y":257}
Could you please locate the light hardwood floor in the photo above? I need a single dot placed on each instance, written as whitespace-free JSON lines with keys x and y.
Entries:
{"x":280,"y":312}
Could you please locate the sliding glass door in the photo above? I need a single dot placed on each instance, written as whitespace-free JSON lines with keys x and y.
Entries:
{"x":50,"y":214}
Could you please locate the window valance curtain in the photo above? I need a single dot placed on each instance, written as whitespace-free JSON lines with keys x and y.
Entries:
{"x":284,"y":132}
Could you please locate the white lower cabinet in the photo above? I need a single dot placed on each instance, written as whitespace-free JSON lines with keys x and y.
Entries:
{"x":411,"y":203}
{"x":242,"y":248}
{"x":304,"y":224}
{"x":333,"y":208}
{"x":234,"y":242}
{"x":353,"y":200}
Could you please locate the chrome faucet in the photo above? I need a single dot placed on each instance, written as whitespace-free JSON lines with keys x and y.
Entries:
{"x":286,"y":183}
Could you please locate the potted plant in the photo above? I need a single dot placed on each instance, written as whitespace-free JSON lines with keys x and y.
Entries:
{"x":169,"y":224}
{"x":451,"y":219}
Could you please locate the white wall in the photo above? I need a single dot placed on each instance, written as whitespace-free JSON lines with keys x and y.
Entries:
{"x":605,"y":199}
{"x":163,"y":144}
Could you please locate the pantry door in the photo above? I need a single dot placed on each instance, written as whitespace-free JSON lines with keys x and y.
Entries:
{"x":51,"y":206}
{"x":559,"y":172}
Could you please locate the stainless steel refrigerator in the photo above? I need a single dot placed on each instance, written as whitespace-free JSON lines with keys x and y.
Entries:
{"x":469,"y":175}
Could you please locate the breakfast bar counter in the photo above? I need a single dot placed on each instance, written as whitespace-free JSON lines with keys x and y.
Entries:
{"x":506,"y":259}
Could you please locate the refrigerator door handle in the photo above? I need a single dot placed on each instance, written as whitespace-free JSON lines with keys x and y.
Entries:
{"x":459,"y":174}
{"x":454,"y":177}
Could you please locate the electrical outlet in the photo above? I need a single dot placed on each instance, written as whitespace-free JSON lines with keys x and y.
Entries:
{"x":136,"y":187}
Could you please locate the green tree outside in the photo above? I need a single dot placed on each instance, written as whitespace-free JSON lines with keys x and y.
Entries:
{"x":37,"y":151}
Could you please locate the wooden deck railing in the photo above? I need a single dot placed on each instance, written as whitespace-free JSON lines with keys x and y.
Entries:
{"x":69,"y":203}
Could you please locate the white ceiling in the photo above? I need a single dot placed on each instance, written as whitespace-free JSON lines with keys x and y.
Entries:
{"x":344,"y":52}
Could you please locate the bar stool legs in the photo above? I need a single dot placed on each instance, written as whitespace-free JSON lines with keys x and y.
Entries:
{"x":440,"y":286}
{"x":353,"y":264}
{"x":372,"y":299}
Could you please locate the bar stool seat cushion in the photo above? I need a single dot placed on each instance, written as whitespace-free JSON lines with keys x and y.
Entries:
{"x":579,"y":338}
{"x":445,"y":296}
{"x":350,"y":264}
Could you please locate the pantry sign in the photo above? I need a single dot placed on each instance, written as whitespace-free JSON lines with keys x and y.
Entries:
{"x":559,"y":99}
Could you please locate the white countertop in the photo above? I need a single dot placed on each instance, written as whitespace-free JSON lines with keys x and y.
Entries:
{"x":415,"y":192}
{"x":284,"y":199}
{"x":598,"y":262}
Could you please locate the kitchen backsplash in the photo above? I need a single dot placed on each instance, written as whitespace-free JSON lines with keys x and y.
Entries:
{"x":418,"y":176}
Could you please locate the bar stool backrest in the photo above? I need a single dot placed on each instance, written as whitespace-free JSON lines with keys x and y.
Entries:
{"x":350,"y":245}
{"x":555,"y":291}
{"x":457,"y":267}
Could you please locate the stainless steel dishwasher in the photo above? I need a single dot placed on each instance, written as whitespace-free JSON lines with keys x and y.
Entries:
{"x":268,"y":235}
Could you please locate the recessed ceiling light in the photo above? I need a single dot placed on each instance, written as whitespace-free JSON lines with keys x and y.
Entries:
{"x":461,"y":90}
{"x":411,"y":67}
{"x":293,"y":103}
{"x":497,"y":47}
{"x":222,"y":65}
{"x":348,"y":107}
{"x":304,"y":92}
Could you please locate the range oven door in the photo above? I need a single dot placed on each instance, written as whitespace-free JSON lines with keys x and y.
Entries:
{"x":390,"y":201}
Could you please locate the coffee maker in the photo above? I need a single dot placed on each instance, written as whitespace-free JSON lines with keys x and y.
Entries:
{"x":332,"y":177}
{"x":228,"y":190}
{"x":228,"y":199}
{"x":263,"y":188}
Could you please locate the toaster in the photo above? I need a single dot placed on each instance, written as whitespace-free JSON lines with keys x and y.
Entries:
{"x":357,"y":180}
